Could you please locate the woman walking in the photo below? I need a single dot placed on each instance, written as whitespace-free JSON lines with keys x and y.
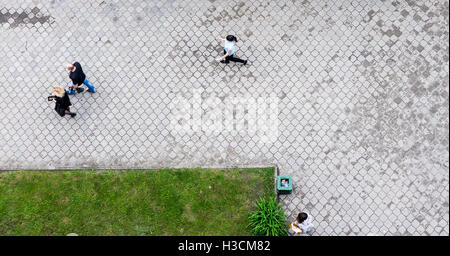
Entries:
{"x":229,"y":48}
{"x":61,"y":98}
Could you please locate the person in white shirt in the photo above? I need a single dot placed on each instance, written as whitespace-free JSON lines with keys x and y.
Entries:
{"x":303,"y":225}
{"x":229,"y":48}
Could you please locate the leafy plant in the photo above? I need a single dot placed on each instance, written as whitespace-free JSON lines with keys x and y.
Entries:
{"x":268,"y":219}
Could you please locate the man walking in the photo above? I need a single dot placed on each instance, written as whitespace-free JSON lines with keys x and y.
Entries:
{"x":78,"y":77}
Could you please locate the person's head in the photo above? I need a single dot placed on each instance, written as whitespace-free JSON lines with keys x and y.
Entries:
{"x":231,"y":38}
{"x":302,"y":217}
{"x":58,"y":91}
{"x":70,"y":67}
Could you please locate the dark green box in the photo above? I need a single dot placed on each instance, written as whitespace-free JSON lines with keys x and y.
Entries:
{"x":284,"y":189}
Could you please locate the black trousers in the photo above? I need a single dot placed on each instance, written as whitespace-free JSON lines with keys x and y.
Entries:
{"x":231,"y":58}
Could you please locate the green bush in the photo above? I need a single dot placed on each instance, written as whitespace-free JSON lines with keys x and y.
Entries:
{"x":268,"y":219}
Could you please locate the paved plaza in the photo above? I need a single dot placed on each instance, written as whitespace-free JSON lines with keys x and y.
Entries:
{"x":350,"y":98}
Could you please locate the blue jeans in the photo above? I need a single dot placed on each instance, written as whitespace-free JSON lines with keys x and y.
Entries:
{"x":87,"y":83}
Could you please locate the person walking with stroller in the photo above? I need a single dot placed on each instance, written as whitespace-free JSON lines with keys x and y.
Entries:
{"x":61,"y":98}
{"x":229,"y":49}
{"x":78,"y":77}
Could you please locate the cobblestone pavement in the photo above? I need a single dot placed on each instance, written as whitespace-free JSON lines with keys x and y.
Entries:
{"x":359,"y":90}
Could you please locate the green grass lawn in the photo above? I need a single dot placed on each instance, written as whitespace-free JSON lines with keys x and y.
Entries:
{"x":150,"y":202}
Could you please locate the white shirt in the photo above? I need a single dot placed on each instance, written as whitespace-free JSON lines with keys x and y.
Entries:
{"x":306,"y":225}
{"x":229,"y":46}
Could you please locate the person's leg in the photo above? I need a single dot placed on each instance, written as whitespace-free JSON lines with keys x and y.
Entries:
{"x":79,"y":89}
{"x":232,"y":58}
{"x":71,"y":91}
{"x":70,"y":113}
{"x":89,"y":85}
{"x":226,"y":59}
{"x":310,"y":228}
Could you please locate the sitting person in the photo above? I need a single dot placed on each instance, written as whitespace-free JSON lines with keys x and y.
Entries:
{"x":284,"y":183}
{"x":302,"y":226}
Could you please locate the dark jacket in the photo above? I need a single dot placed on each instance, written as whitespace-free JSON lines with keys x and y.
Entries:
{"x":62,"y":104}
{"x":78,"y":76}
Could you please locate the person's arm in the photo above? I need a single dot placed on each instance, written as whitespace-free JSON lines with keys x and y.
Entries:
{"x":76,"y":81}
{"x":54,"y":99}
{"x":75,"y":86}
{"x":58,"y":99}
{"x":226,"y":55}
{"x":221,"y":39}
